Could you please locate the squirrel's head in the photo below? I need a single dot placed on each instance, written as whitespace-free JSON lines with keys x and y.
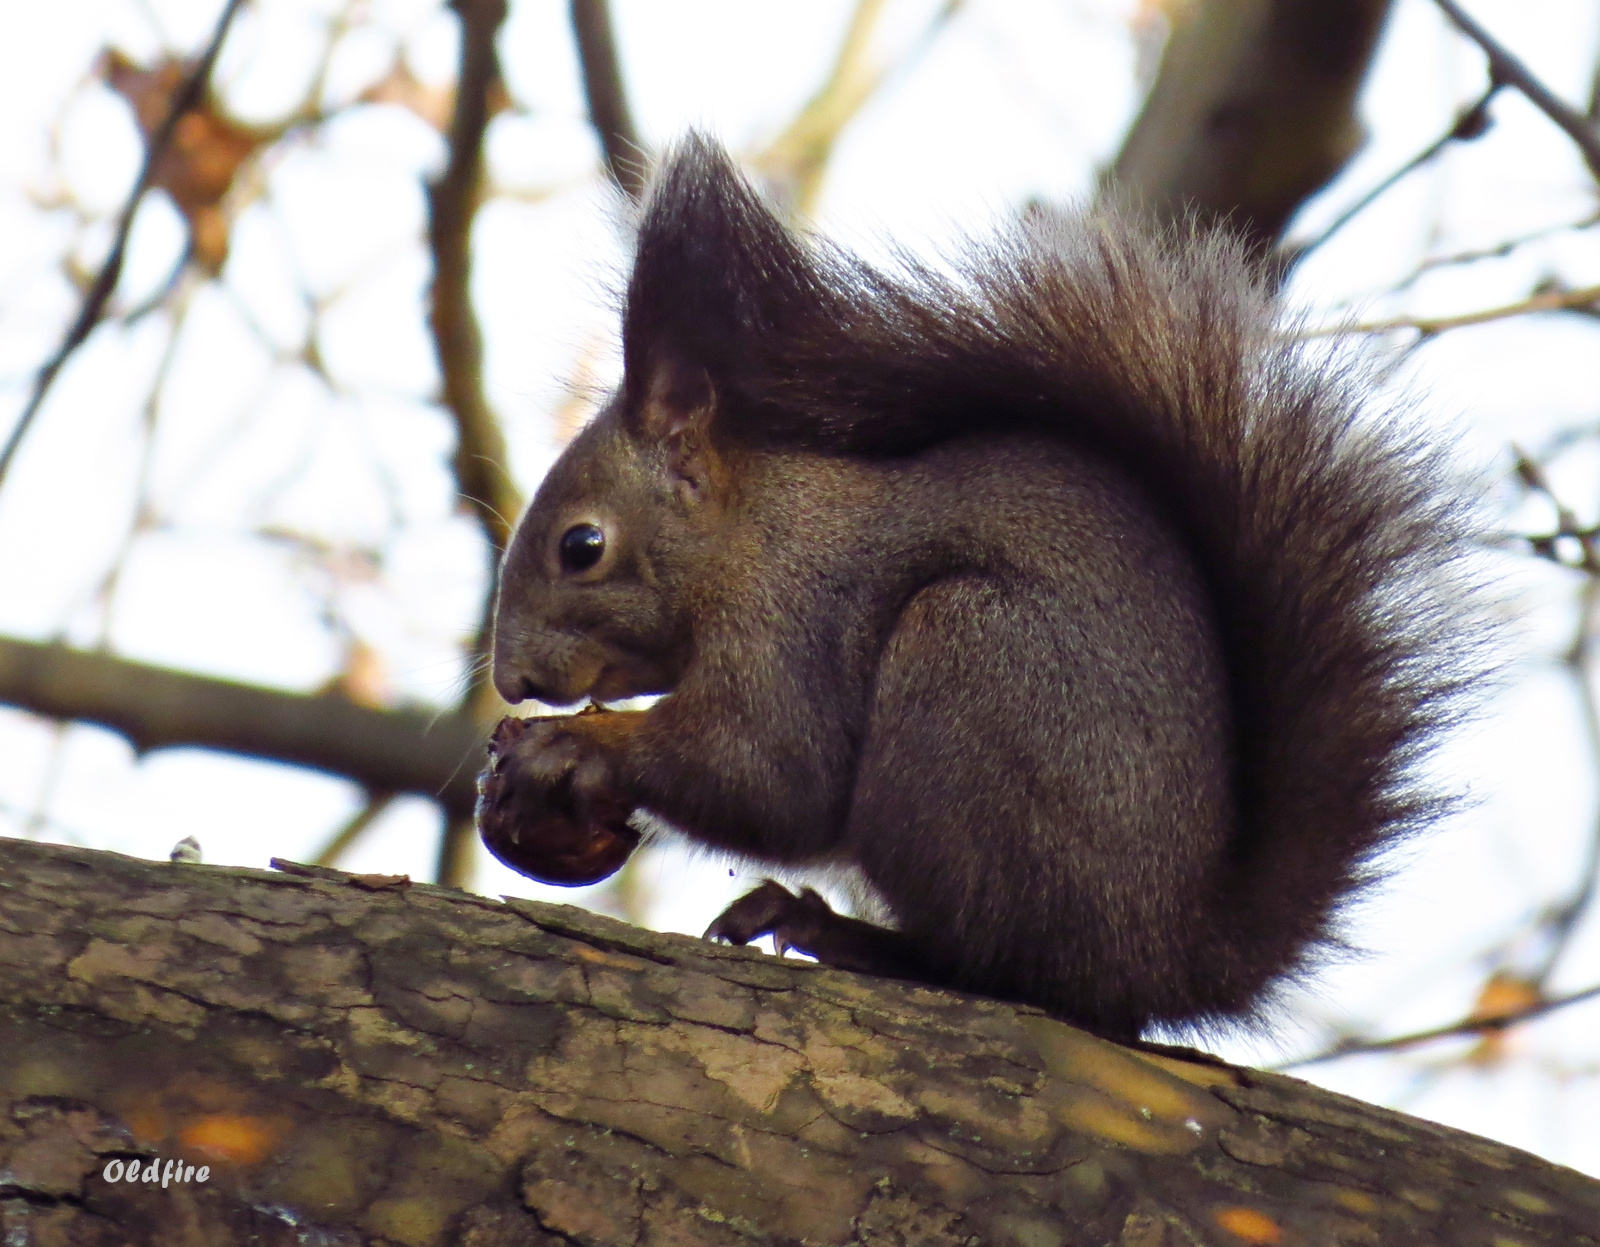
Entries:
{"x":597,"y":587}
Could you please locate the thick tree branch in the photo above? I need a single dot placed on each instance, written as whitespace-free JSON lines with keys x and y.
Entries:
{"x":607,"y":96}
{"x":187,"y":97}
{"x":1254,"y":110}
{"x":482,"y":477}
{"x":359,"y":1060}
{"x":154,"y":708}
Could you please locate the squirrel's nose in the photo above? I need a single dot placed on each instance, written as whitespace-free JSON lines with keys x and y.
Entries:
{"x":514,"y":687}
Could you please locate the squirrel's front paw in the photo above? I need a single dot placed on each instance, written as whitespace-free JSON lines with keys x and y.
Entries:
{"x":548,"y":804}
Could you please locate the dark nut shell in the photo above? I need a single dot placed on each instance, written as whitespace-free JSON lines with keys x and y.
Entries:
{"x":537,"y":831}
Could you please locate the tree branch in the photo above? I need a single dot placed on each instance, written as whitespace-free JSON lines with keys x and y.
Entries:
{"x":1552,"y":301}
{"x":1254,"y":111}
{"x":1506,"y":68}
{"x":437,"y":756}
{"x":188,"y":95}
{"x":1467,"y":1026}
{"x":794,"y":163}
{"x":360,"y":1060}
{"x":607,"y":97}
{"x":1471,"y":123}
{"x":482,"y":477}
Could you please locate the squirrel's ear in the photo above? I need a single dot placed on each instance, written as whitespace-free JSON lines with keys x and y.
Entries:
{"x":675,"y":412}
{"x":716,"y":275}
{"x":677,"y":402}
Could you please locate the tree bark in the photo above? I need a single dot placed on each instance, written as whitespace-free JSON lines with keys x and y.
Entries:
{"x":1253,"y":112}
{"x":360,"y":1061}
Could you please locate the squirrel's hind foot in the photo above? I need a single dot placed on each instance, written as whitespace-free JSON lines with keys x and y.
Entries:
{"x":806,"y":924}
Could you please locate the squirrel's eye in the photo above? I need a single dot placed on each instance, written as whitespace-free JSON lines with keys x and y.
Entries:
{"x":581,"y":547}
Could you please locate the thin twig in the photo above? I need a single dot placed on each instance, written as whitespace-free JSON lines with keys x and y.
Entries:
{"x":1471,"y":123}
{"x":607,"y":96}
{"x":1559,"y":922}
{"x":1467,"y":1026}
{"x":187,"y":97}
{"x":339,"y":843}
{"x":1495,"y":251}
{"x":1506,"y":68}
{"x":1562,"y":920}
{"x":1554,"y":301}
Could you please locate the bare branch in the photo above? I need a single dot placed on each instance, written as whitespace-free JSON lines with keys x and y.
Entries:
{"x":1506,"y":68}
{"x":1553,"y":301}
{"x":458,"y":846}
{"x":1494,"y":251}
{"x":795,"y":161}
{"x":1467,"y":1026}
{"x":1471,"y":123}
{"x":481,"y":474}
{"x":607,"y":97}
{"x":339,"y":843}
{"x":433,"y":755}
{"x":184,"y":100}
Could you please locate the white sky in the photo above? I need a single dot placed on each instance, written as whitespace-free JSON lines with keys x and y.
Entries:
{"x":1016,"y":98}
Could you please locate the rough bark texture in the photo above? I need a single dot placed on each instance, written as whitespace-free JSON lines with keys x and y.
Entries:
{"x":361,"y":1061}
{"x":1254,"y":110}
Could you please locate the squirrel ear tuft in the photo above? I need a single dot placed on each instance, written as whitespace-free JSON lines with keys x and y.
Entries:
{"x":716,"y":275}
{"x":676,"y":403}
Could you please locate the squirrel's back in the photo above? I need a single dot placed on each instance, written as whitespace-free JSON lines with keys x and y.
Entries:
{"x":1328,"y":537}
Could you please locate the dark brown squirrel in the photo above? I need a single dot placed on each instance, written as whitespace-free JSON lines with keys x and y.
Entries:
{"x":1056,"y":590}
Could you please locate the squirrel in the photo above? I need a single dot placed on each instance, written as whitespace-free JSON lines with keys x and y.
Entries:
{"x":1100,"y":626}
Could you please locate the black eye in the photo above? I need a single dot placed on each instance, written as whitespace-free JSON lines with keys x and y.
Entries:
{"x":581,"y":547}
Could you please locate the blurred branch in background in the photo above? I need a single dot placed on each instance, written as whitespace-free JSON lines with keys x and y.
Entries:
{"x":794,"y":163}
{"x":1254,"y":111}
{"x":1481,"y":1023}
{"x":625,"y":158}
{"x":1471,"y":123}
{"x":154,"y":708}
{"x":479,"y":463}
{"x":1554,"y":928}
{"x":185,"y":99}
{"x":1548,"y":301}
{"x":373,"y":808}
